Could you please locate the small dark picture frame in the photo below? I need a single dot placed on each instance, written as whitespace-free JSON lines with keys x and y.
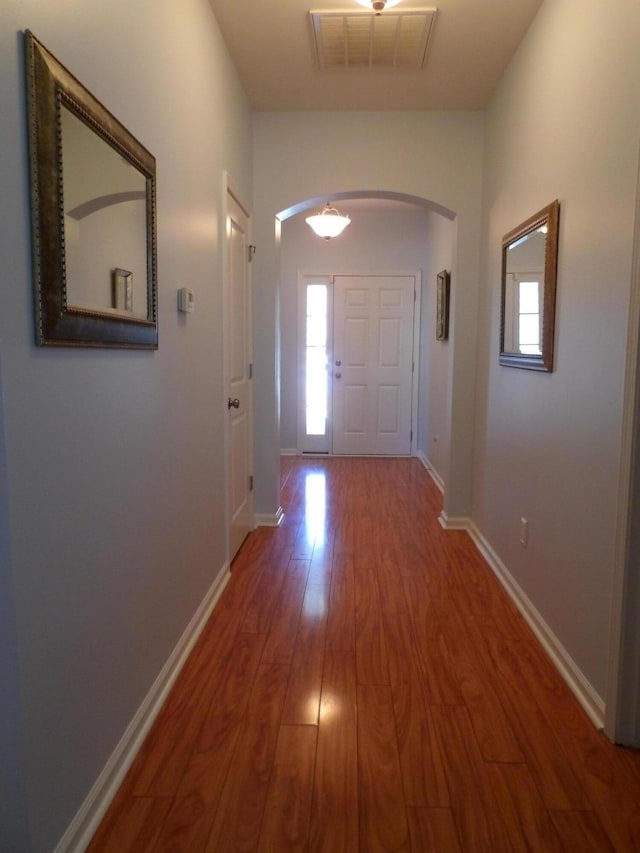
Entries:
{"x":442,"y":306}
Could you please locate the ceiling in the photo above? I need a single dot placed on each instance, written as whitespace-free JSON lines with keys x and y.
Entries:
{"x":470,"y":45}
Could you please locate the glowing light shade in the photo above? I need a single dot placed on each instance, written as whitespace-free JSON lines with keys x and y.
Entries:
{"x":378,"y":5}
{"x":329,"y":223}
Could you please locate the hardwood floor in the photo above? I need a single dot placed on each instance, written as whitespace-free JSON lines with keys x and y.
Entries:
{"x":365,"y":684}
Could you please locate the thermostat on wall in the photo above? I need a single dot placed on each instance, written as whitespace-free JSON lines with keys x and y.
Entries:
{"x":186,"y":301}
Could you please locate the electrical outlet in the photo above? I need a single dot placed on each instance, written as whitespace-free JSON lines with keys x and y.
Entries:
{"x":524,"y":532}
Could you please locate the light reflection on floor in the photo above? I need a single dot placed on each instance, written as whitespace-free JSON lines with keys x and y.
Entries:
{"x":315,"y":511}
{"x":315,"y":507}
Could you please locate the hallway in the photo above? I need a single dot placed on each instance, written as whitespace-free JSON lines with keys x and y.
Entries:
{"x":364,"y":684}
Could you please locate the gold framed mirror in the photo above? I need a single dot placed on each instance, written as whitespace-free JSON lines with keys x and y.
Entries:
{"x":92,"y":214}
{"x":528,"y":303}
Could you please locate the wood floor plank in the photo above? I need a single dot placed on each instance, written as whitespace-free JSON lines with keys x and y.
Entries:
{"x":344,"y":540}
{"x":305,"y":541}
{"x":371,"y":650}
{"x":480,"y":594}
{"x":287,"y":814}
{"x":190,"y":818}
{"x":366,"y":542}
{"x":261,"y":602}
{"x":240,"y":811}
{"x":432,"y":645}
{"x":341,"y":625}
{"x":423,"y":774}
{"x":280,"y":641}
{"x":494,"y":733}
{"x":548,"y":762}
{"x":302,"y":704}
{"x":136,"y":826}
{"x":479,"y":825}
{"x":392,"y":597}
{"x":523,"y":814}
{"x":322,"y":557}
{"x":433,"y":831}
{"x":580,"y":830}
{"x":334,"y":815}
{"x":611,"y":789}
{"x":506,"y":655}
{"x":383,"y":821}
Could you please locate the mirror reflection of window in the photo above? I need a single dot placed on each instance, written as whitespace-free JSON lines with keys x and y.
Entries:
{"x":529,"y":318}
{"x":524,"y":285}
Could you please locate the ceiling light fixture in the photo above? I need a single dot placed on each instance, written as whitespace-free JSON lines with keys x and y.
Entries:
{"x":329,"y":223}
{"x":378,"y":5}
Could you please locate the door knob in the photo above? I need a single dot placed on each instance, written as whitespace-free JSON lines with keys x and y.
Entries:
{"x":338,"y":375}
{"x":233,"y":404}
{"x":338,"y":363}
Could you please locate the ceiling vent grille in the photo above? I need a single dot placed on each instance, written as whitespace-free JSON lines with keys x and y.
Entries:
{"x":363,"y":40}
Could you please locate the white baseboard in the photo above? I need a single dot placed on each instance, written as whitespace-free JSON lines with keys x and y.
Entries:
{"x":453,"y":523}
{"x":420,"y":455}
{"x":288,"y":451}
{"x":265,"y":519}
{"x":83,"y":826}
{"x":437,"y":479}
{"x":590,"y":701}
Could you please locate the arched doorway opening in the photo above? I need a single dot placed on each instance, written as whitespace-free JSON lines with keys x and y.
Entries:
{"x":390,"y":232}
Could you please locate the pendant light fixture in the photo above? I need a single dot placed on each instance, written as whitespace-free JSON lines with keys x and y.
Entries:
{"x":378,"y":5}
{"x":328,"y":223}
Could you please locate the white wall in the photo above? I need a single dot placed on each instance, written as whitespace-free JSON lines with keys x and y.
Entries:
{"x":433,"y":423}
{"x":563,"y":124}
{"x":375,"y":240}
{"x":114,"y":477}
{"x":13,"y":807}
{"x":434,"y":156}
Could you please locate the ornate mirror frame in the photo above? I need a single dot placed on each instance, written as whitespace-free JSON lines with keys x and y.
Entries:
{"x":50,"y":88}
{"x":548,"y":218}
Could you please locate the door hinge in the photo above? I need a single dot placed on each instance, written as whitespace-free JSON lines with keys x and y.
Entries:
{"x":250,"y":371}
{"x":250,"y":482}
{"x":251,"y":250}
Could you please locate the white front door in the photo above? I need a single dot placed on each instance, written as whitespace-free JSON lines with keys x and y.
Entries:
{"x":373,"y":364}
{"x":238,"y":377}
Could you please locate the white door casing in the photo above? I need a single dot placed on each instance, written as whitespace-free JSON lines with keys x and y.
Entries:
{"x":238,"y":397}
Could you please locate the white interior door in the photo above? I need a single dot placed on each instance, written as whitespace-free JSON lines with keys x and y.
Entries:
{"x":372,"y":369}
{"x":238,"y":377}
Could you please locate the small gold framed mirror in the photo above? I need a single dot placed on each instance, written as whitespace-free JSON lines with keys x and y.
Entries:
{"x":528,"y":305}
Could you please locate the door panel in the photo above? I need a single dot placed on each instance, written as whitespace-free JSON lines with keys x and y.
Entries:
{"x":388,"y":409}
{"x":355,"y":409}
{"x":389,"y":342}
{"x":356,"y":334}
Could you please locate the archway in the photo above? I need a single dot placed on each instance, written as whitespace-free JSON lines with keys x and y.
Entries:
{"x":389,"y":231}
